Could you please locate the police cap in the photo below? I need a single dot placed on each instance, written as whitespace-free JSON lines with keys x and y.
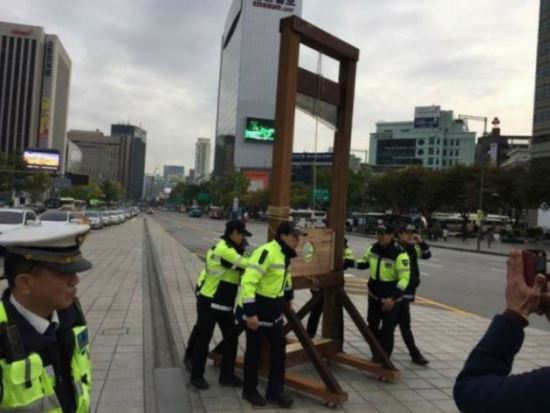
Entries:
{"x":236,"y":225}
{"x":57,"y":248}
{"x":288,"y":228}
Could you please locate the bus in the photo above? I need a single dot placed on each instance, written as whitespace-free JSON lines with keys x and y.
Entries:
{"x":71,"y":204}
{"x":309,"y":218}
{"x":455,"y":221}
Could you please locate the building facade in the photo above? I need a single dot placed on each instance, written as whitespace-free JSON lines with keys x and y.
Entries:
{"x":173,"y":171}
{"x":436,"y":142}
{"x":540,"y":148}
{"x":133,"y":144}
{"x":35,"y":73}
{"x":101,"y":155}
{"x":247,"y":83}
{"x":202,"y":158}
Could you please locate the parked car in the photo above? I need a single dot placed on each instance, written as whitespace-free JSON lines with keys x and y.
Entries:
{"x":194,"y":212}
{"x":95,"y":218}
{"x":149,"y":211}
{"x":12,"y":218}
{"x":113,"y":216}
{"x":63,"y":218}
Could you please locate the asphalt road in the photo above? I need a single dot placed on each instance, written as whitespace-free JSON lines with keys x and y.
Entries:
{"x":463,"y":280}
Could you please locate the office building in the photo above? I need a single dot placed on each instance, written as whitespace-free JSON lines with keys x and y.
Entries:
{"x":101,"y":155}
{"x":540,"y":148}
{"x":191,"y":177}
{"x":249,"y":61}
{"x":434,"y":140}
{"x":133,"y":143}
{"x":175,"y":172}
{"x":35,"y":73}
{"x":497,"y":149}
{"x":202,"y":159}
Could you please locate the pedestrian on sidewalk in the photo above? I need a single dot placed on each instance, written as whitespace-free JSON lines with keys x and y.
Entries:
{"x":219,"y":283}
{"x":464,"y":232}
{"x":445,"y":232}
{"x":416,"y":248}
{"x":490,"y":237}
{"x":389,"y":277}
{"x":317,"y":310}
{"x":266,"y":287}
{"x":45,"y":357}
{"x":485,"y":383}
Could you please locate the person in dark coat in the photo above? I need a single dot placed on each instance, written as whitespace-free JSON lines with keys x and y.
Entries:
{"x":416,"y":249}
{"x":485,"y":383}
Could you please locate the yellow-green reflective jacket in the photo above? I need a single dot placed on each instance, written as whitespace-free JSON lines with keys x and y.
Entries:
{"x":266,"y":284}
{"x":27,"y":386}
{"x":389,"y":270}
{"x":219,"y":280}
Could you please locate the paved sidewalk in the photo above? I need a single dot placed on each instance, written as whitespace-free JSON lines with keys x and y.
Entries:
{"x":446,"y":338}
{"x":111,"y":297}
{"x":455,"y":243}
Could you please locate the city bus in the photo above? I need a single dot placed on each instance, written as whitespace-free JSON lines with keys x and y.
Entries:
{"x":71,"y":204}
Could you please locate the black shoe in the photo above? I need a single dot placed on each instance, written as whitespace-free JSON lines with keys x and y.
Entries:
{"x":200,"y":383}
{"x":231,"y":381}
{"x":255,"y":399}
{"x":283,"y":400}
{"x":188,"y":363}
{"x":419,"y":359}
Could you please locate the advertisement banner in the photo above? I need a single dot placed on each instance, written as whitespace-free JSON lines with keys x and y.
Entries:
{"x":427,"y":116}
{"x":44,"y":128}
{"x":45,"y":160}
{"x":259,"y":180}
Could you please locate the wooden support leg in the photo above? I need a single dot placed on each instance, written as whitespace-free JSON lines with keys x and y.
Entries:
{"x":364,"y":329}
{"x":302,"y":312}
{"x":316,"y":359}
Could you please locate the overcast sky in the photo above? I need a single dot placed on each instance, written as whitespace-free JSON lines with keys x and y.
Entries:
{"x":155,"y":63}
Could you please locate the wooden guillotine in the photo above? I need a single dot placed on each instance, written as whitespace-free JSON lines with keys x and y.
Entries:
{"x":319,"y":264}
{"x":318,"y":270}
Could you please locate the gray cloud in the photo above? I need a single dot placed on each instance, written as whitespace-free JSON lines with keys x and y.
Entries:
{"x":156,"y":62}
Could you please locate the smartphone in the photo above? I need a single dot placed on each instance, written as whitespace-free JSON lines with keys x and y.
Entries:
{"x":534,"y":262}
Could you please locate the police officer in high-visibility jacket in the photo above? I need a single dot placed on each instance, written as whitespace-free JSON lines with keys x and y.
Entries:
{"x":265,"y":287}
{"x":416,"y":248}
{"x":217,"y":291}
{"x":45,"y":361}
{"x":389,"y":277}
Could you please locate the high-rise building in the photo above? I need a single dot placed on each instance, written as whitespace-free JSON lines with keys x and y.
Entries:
{"x":133,"y":142}
{"x":249,"y":62}
{"x":101,"y":155}
{"x":173,"y":172}
{"x":35,"y":74}
{"x":434,"y":139}
{"x":540,"y":148}
{"x":191,"y":177}
{"x":202,"y":158}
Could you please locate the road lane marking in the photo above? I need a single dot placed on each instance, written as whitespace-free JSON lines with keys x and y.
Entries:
{"x":429,"y":264}
{"x":424,"y":300}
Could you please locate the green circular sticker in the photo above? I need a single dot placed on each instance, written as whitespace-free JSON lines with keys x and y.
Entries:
{"x":309,"y":251}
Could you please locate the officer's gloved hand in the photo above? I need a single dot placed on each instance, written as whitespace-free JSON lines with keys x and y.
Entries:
{"x":348,"y":263}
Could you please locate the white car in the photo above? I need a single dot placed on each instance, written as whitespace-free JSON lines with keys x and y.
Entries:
{"x":96,"y":219}
{"x":12,"y":218}
{"x":57,"y":217}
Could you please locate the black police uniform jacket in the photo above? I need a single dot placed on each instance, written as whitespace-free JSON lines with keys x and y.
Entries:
{"x":55,"y":349}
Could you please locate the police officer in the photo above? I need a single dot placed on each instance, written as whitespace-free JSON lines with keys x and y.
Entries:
{"x":265,"y":287}
{"x":389,"y":277}
{"x":44,"y":347}
{"x":317,"y":309}
{"x":416,"y":248}
{"x":217,"y":291}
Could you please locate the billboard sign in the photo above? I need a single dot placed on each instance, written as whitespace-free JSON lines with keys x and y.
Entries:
{"x":257,"y":129}
{"x":427,"y":116}
{"x":259,"y":180}
{"x":42,"y":159}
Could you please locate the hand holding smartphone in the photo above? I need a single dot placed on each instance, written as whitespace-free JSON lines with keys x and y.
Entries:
{"x":534,"y":262}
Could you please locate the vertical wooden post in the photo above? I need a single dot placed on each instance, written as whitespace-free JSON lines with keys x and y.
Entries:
{"x":284,"y":127}
{"x":332,"y":313}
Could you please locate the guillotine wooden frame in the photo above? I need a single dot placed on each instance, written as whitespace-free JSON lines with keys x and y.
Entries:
{"x":292,"y":80}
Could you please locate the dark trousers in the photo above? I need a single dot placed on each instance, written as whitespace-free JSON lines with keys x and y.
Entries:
{"x":191,"y":344}
{"x":315,"y":315}
{"x":275,"y":337}
{"x":404,"y":321}
{"x":375,"y":316}
{"x":206,"y":322}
